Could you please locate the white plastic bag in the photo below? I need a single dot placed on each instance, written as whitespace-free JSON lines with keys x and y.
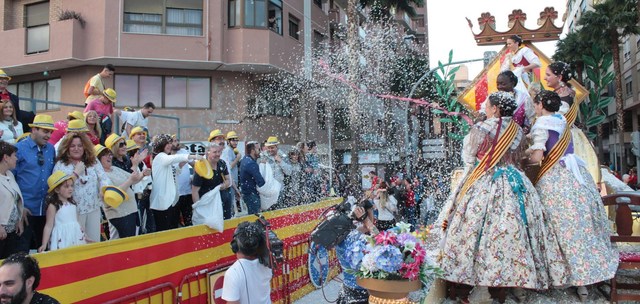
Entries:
{"x":270,"y":191}
{"x":208,"y":210}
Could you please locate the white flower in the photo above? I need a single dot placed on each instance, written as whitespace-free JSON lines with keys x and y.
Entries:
{"x":369,"y":263}
{"x":409,"y":246}
{"x":404,"y":227}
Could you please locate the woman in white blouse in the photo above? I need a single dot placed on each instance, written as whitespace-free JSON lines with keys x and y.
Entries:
{"x":10,"y":127}
{"x":11,"y":205}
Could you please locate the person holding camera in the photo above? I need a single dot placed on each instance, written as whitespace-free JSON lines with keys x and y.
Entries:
{"x":248,"y":281}
{"x":351,"y":292}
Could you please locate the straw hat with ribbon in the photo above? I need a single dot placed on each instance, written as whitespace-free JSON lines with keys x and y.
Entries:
{"x":137,"y":130}
{"x":77,"y":125}
{"x":56,"y":179}
{"x":215,"y":133}
{"x":43,"y":121}
{"x":131,"y":145}
{"x":232,"y":135}
{"x":98,"y":149}
{"x":110,"y":94}
{"x":112,"y":140}
{"x":75,"y":115}
{"x":114,"y":196}
{"x":272,"y":141}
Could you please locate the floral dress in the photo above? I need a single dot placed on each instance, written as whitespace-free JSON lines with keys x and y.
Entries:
{"x":496,"y":234}
{"x":574,"y":208}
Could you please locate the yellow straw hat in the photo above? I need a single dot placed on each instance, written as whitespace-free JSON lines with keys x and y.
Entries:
{"x":232,"y":135}
{"x":203,"y":168}
{"x":76,"y":115}
{"x":4,"y":75}
{"x":112,"y":139}
{"x":110,"y":94}
{"x":131,"y":145}
{"x":114,"y":196}
{"x":56,"y":179}
{"x":137,"y":130}
{"x":43,"y":121}
{"x":215,"y":133}
{"x":77,"y":125}
{"x":272,"y":141}
{"x":98,"y":149}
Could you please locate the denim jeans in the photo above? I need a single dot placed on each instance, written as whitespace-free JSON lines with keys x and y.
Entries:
{"x":253,"y":202}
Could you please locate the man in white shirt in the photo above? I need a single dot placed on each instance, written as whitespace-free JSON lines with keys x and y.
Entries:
{"x":247,"y":281}
{"x":138,"y":118}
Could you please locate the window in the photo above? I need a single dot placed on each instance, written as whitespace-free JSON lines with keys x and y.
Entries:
{"x":318,"y":3}
{"x":36,"y":20}
{"x":43,"y":90}
{"x":168,"y":91}
{"x":275,"y":16}
{"x":294,"y":27}
{"x":254,"y":13}
{"x":175,"y":17}
{"x":234,"y":13}
{"x":583,"y":6}
{"x":628,"y":86}
{"x":626,"y":48}
{"x":318,"y":40}
{"x":184,"y":22}
{"x":418,"y":22}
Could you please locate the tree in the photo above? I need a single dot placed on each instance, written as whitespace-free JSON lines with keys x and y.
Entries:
{"x":611,"y":21}
{"x":570,"y":50}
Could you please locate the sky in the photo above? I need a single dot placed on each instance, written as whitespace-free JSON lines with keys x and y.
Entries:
{"x":448,"y":28}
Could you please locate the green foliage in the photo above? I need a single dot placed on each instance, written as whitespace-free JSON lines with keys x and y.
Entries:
{"x":447,"y":98}
{"x":380,"y":9}
{"x":593,"y":112}
{"x":407,"y":71}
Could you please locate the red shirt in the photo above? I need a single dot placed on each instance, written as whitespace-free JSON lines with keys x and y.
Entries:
{"x":411,"y":198}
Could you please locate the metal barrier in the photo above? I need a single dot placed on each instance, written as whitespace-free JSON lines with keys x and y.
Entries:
{"x":33,"y":102}
{"x":146,"y":295}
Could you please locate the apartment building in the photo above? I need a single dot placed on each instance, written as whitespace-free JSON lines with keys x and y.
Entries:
{"x":630,"y":68}
{"x":201,"y":61}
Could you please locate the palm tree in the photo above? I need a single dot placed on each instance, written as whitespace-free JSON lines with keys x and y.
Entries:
{"x":570,"y":49}
{"x":611,"y":21}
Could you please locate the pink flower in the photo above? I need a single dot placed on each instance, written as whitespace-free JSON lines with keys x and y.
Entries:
{"x":386,"y":238}
{"x":418,"y":254}
{"x":410,"y":271}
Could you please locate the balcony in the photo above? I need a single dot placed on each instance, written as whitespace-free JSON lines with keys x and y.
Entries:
{"x":65,"y":43}
{"x":403,"y":18}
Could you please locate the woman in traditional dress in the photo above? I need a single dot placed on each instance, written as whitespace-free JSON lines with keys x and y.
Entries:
{"x":521,"y":60}
{"x":493,"y":226}
{"x":557,"y":76}
{"x":524,"y":113}
{"x":571,"y":201}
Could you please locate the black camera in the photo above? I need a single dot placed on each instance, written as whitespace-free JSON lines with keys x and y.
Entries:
{"x":337,"y":222}
{"x":262,"y":242}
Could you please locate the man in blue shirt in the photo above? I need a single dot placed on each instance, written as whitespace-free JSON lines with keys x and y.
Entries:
{"x":35,"y":163}
{"x":250,"y":178}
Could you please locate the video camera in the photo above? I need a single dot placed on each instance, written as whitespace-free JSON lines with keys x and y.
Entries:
{"x":275,"y":248}
{"x":337,"y":222}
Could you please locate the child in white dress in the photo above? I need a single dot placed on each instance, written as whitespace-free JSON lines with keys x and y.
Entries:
{"x":61,"y":229}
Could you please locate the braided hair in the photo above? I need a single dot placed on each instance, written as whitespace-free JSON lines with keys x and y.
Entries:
{"x":550,"y":100}
{"x":505,"y":101}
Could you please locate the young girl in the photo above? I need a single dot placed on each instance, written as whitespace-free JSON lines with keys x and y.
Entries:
{"x":62,"y":227}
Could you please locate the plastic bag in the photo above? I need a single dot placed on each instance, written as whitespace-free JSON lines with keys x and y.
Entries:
{"x":270,"y":191}
{"x":208,"y":210}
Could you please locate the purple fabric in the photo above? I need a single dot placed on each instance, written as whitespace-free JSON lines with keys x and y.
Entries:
{"x":518,"y":115}
{"x":554,"y":137}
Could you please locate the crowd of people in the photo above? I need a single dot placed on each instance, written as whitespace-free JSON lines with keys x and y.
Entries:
{"x":84,"y":179}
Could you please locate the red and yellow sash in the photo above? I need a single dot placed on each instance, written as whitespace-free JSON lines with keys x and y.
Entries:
{"x":561,"y":146}
{"x":491,"y":159}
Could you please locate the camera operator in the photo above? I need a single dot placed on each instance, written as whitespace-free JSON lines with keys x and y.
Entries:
{"x":352,"y":293}
{"x":248,"y":281}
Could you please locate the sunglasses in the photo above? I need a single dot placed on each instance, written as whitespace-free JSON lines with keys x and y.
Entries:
{"x":40,"y":158}
{"x":122,"y":144}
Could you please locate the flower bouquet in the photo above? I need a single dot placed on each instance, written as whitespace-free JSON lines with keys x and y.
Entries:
{"x":394,"y":262}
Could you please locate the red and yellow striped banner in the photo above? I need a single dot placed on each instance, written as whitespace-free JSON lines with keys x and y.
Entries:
{"x":485,"y":83}
{"x":100,"y":272}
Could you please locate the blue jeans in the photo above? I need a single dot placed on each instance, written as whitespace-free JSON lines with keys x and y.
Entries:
{"x":253,"y":202}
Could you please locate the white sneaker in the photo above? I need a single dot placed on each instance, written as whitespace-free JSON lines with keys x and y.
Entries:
{"x":480,"y":295}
